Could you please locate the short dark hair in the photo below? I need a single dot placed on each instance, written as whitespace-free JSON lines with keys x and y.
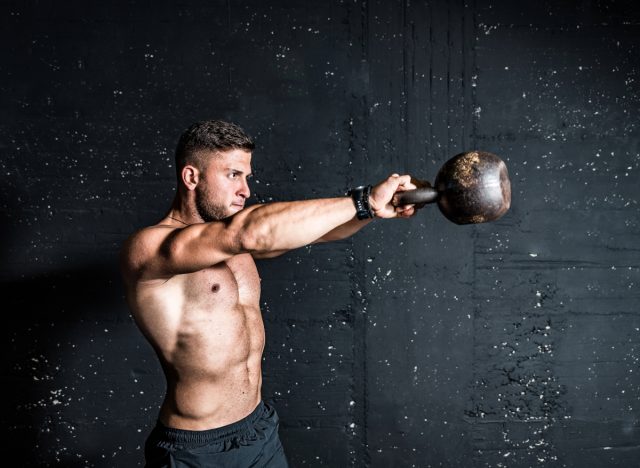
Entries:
{"x":209,"y":135}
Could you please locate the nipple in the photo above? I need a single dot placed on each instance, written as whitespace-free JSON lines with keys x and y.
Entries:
{"x":215,"y":288}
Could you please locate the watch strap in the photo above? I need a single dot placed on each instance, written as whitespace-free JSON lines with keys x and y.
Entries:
{"x":360,"y":197}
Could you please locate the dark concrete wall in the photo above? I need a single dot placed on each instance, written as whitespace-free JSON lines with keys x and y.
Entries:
{"x":415,"y":343}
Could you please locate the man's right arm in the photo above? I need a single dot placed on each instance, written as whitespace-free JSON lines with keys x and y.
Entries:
{"x":258,"y":230}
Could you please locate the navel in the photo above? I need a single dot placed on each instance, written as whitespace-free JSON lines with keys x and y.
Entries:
{"x":215,"y":288}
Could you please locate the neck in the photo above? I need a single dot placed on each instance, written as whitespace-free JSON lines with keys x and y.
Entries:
{"x":183,"y":212}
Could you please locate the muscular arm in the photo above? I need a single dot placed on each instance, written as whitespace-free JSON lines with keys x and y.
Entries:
{"x":261,"y":230}
{"x":289,"y":225}
{"x":354,"y":224}
{"x":341,"y":232}
{"x":350,"y":227}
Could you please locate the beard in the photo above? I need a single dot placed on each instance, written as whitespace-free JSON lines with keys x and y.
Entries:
{"x":208,"y":210}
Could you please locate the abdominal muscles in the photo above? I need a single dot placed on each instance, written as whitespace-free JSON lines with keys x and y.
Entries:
{"x":207,"y":330}
{"x":213,"y":373}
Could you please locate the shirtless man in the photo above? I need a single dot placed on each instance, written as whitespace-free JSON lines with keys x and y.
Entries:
{"x":194,"y":291}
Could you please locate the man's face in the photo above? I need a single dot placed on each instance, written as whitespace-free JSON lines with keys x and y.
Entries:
{"x":222,"y":187}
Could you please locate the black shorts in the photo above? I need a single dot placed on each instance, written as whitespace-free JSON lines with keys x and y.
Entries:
{"x":250,"y":442}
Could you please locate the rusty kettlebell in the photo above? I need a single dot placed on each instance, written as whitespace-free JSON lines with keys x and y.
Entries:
{"x":470,"y":188}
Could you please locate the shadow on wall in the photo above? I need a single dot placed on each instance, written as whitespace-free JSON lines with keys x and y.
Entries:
{"x":81,"y":385}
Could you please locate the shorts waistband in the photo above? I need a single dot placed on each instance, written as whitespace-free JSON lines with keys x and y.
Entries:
{"x":184,"y":436}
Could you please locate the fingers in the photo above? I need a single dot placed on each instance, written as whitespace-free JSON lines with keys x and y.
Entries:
{"x":401,"y":182}
{"x":383,"y":197}
{"x":405,"y":211}
{"x":404,"y":180}
{"x":407,"y":185}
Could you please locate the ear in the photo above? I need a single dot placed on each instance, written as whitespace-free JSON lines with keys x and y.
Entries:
{"x":190,"y":177}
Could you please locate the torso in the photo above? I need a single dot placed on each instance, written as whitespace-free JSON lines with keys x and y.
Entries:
{"x":207,"y":330}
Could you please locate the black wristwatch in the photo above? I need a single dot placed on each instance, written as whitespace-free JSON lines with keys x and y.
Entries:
{"x":360,"y":197}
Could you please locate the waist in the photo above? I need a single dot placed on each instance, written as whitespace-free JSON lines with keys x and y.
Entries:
{"x":205,"y":403}
{"x":186,"y":437}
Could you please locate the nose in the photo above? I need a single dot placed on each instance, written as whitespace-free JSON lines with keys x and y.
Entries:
{"x":244,"y":190}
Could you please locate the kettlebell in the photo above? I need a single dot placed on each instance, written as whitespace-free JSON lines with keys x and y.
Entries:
{"x":470,"y":188}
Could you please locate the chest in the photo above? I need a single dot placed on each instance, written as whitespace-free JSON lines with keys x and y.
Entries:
{"x":233,"y":282}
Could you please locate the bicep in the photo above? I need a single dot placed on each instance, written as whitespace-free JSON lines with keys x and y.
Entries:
{"x":198,"y":247}
{"x":158,"y":254}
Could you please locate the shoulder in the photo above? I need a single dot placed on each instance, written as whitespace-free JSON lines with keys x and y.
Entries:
{"x":142,"y":245}
{"x":148,"y":238}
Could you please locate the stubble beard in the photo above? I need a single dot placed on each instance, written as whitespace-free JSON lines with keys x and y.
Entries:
{"x":206,"y":209}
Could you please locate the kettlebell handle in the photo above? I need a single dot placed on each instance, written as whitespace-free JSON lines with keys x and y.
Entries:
{"x":414,"y":197}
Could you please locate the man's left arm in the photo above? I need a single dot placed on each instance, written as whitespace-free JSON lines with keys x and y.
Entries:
{"x":352,"y":226}
{"x":349,"y":228}
{"x":341,"y":232}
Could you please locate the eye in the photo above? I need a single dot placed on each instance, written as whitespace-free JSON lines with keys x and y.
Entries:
{"x":233,"y":175}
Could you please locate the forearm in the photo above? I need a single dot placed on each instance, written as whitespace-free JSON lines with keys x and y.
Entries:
{"x":290,"y":225}
{"x":345,"y":230}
